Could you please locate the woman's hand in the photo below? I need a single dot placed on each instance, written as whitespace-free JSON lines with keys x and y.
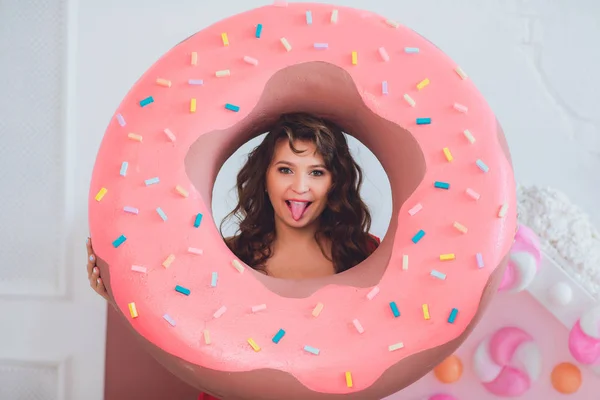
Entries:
{"x":94,"y":272}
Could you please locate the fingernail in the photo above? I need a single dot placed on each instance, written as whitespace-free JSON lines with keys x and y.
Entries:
{"x":87,"y":241}
{"x":95,"y":270}
{"x":91,"y":258}
{"x":98,"y":281}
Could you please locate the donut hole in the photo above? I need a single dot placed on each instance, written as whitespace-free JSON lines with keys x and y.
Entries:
{"x":327,"y":91}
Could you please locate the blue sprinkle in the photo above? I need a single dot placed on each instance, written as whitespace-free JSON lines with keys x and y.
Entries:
{"x":312,"y":350}
{"x":411,"y":50}
{"x":418,"y":236}
{"x":384,"y":87}
{"x":197,"y":220}
{"x":196,"y":82}
{"x":182,"y":290}
{"x":452,"y":316}
{"x":121,"y":120}
{"x":479,"y":258}
{"x":482,"y":166}
{"x":423,"y":121}
{"x":124,"y":168}
{"x":146,"y":101}
{"x":258,"y":30}
{"x":231,"y":107}
{"x":213,"y":281}
{"x":309,"y":18}
{"x":170,"y":320}
{"x":151,"y":181}
{"x":161,"y":213}
{"x":394,"y":308}
{"x":441,"y":185}
{"x":438,"y":274}
{"x":278,"y":336}
{"x":119,"y":241}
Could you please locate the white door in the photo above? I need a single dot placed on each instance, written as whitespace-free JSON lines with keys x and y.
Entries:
{"x":52,"y":326}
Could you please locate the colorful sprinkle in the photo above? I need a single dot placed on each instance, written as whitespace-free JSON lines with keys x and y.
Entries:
{"x":448,"y":154}
{"x":384,"y":87}
{"x":447,"y":257}
{"x":396,"y":346}
{"x":463,"y":75}
{"x":317,"y":310}
{"x":354,"y":58}
{"x":409,"y":100}
{"x":358,"y":326}
{"x":469,"y":136}
{"x":131,"y":210}
{"x":196,"y":251}
{"x":197,"y":220}
{"x":192,"y":105}
{"x":312,"y":350}
{"x":135,"y":137}
{"x":232,"y":107}
{"x":348,"y":379}
{"x":206,"y":334}
{"x":213,"y":279}
{"x":146,"y":101}
{"x":482,"y":166}
{"x":423,"y":121}
{"x":101,"y":194}
{"x":371,"y":295}
{"x":405,"y":258}
{"x":278,"y":336}
{"x":170,"y":320}
{"x":258,"y":31}
{"x":194,"y":58}
{"x":138,"y":268}
{"x":411,"y":50}
{"x":152,"y":181}
{"x":253,"y":344}
{"x":121,"y":120}
{"x":418,"y":236}
{"x":260,"y":307}
{"x":181,"y":191}
{"x":197,"y":82}
{"x":334,"y":16}
{"x":479,"y":259}
{"x":220,"y":312}
{"x":426,"y":311}
{"x":461,"y":108}
{"x":391,"y":23}
{"x":119,"y":241}
{"x":237,"y":265}
{"x":132,"y":310}
{"x":182,"y":290}
{"x":309,"y":18}
{"x":503,"y":210}
{"x":423,"y":83}
{"x":473,"y":194}
{"x":286,"y":44}
{"x":250,"y":60}
{"x":163,"y":82}
{"x":321,"y":46}
{"x":168,"y":261}
{"x":225,"y":39}
{"x":441,"y":185}
{"x":452,"y":316}
{"x":384,"y":54}
{"x":394,"y":309}
{"x":438,"y":274}
{"x":460,"y":227}
{"x":124,"y":166}
{"x":169,"y":134}
{"x":161,"y":213}
{"x":415,"y":209}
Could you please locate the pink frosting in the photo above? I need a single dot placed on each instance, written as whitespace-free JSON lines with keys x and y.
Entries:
{"x":526,"y":241}
{"x":442,"y":396}
{"x":584,"y":348}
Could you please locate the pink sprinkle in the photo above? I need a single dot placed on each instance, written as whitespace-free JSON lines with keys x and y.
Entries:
{"x":460,"y":108}
{"x":251,"y":60}
{"x":473,"y":194}
{"x":169,"y":134}
{"x":137,"y":268}
{"x":384,"y":54}
{"x":358,"y":326}
{"x":415,"y":209}
{"x":259,"y":307}
{"x":220,"y":312}
{"x":194,"y":250}
{"x":373,"y":293}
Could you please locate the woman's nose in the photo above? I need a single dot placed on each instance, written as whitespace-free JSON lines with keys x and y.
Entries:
{"x":300,"y":184}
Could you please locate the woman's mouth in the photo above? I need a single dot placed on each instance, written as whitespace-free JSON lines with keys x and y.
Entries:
{"x":297,"y":208}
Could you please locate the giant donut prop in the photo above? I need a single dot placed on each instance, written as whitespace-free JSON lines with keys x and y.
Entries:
{"x":361,"y":334}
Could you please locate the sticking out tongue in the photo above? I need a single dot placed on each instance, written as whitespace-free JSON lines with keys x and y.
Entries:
{"x":298,"y":208}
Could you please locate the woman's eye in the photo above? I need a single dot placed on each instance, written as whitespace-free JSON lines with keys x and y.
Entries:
{"x":318,"y":173}
{"x":285,"y":170}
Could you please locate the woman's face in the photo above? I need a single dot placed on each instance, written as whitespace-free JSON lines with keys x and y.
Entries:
{"x":297,"y":184}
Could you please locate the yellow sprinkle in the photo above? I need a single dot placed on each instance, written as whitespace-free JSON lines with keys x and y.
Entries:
{"x":409,"y":100}
{"x":405,"y":262}
{"x":254,"y":345}
{"x":460,"y":227}
{"x":163,"y":82}
{"x":463,"y":75}
{"x":194,"y":58}
{"x":193,"y":105}
{"x":425,"y":311}
{"x":317,"y":310}
{"x":225,"y":39}
{"x":133,"y":310}
{"x":286,"y":44}
{"x":349,"y":379}
{"x":237,"y":265}
{"x":101,"y":194}
{"x":447,"y":257}
{"x":396,"y":346}
{"x":207,"y":336}
{"x":136,"y":137}
{"x":222,"y":73}
{"x":469,"y":136}
{"x":354,"y":58}
{"x":181,"y":191}
{"x":167,"y":263}
{"x":423,"y":83}
{"x":503,"y":210}
{"x":448,"y":154}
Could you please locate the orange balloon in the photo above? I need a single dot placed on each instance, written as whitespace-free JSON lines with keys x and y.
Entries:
{"x":450,"y":370}
{"x":566,"y":378}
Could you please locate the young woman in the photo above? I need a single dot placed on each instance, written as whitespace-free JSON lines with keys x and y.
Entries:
{"x":300,"y":212}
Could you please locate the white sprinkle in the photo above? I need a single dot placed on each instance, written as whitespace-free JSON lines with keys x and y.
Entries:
{"x":321,"y":46}
{"x":461,"y":108}
{"x":131,"y":210}
{"x":220,"y":312}
{"x":237,"y":265}
{"x":194,"y":58}
{"x":358,"y":326}
{"x":473,"y":194}
{"x":138,"y":268}
{"x":334,"y":16}
{"x":409,"y":100}
{"x":286,"y":44}
{"x":415,"y":209}
{"x":461,"y":73}
{"x":194,"y":250}
{"x":250,"y":60}
{"x":170,"y":320}
{"x":469,"y":136}
{"x":169,"y":134}
{"x":384,"y":54}
{"x":391,"y":23}
{"x":259,"y":307}
{"x":196,"y":82}
{"x":405,"y":262}
{"x":373,"y":293}
{"x":206,"y":336}
{"x":396,"y":346}
{"x":223,"y":73}
{"x":503,"y":210}
{"x":460,"y":227}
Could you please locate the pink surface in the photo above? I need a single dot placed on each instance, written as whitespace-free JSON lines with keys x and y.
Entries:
{"x":523,"y":311}
{"x":150,"y":240}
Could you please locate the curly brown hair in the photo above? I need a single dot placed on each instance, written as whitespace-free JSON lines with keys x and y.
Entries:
{"x":346,"y":220}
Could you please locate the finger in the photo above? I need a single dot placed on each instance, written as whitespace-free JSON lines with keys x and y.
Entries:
{"x":91,"y":263}
{"x":88,"y":244}
{"x":101,"y":289}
